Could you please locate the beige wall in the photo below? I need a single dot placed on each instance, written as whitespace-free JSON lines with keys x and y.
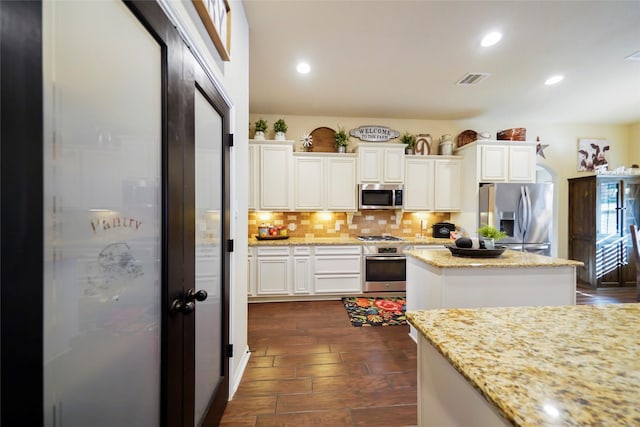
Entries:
{"x":561,"y":155}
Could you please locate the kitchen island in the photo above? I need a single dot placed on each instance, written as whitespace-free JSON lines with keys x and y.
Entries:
{"x":436,"y":279}
{"x":529,"y":366}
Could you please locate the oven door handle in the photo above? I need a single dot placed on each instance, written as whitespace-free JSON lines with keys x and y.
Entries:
{"x":386,"y":258}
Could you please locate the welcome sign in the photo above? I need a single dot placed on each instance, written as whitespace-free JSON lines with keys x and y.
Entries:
{"x":374,"y":133}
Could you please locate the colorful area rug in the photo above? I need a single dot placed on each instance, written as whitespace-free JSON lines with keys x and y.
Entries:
{"x":376,"y":311}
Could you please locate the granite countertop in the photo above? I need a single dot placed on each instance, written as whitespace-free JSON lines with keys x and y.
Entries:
{"x":338,"y":240}
{"x":542,"y":366}
{"x":508,"y":259}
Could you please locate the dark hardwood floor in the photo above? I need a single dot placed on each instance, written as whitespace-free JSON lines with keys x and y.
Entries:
{"x":310,"y":367}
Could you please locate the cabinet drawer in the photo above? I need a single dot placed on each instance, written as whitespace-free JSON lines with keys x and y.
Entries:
{"x":338,"y":284}
{"x":338,"y":264}
{"x":301,"y":250}
{"x":338,"y":250}
{"x":273,"y":250}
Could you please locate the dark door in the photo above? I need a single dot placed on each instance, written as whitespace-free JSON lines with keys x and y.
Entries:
{"x":113,"y":261}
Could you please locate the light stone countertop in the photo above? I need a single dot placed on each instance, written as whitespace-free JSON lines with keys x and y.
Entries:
{"x":315,"y":241}
{"x":509,"y":259}
{"x":545,"y":366}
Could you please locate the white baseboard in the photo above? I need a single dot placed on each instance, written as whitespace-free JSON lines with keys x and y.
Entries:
{"x":237,"y":375}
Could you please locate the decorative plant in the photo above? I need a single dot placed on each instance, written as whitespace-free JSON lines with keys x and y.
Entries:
{"x":490,"y":232}
{"x":409,"y":139}
{"x":261,"y":125}
{"x":280,"y":126}
{"x":342,"y":139}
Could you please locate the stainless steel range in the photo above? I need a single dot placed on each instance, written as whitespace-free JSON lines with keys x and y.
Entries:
{"x":385,"y":264}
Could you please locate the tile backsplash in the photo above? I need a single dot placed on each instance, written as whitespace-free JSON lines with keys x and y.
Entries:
{"x":334,"y":224}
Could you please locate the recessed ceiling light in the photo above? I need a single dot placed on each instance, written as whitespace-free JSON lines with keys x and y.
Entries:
{"x":491,"y":39}
{"x":303,"y":67}
{"x":553,"y":80}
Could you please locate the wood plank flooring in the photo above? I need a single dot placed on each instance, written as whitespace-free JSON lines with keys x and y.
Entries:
{"x":310,"y":367}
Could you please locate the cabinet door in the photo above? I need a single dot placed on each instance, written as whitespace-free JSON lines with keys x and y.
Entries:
{"x":254,"y":154}
{"x":393,"y":165}
{"x":448,"y":185}
{"x":275,"y":177}
{"x":418,"y":184}
{"x":493,"y":163}
{"x":522,"y":164}
{"x":251,"y":273}
{"x":301,"y":275}
{"x":272,"y":275}
{"x":308,"y":183}
{"x":370,"y":164}
{"x":341,"y":186}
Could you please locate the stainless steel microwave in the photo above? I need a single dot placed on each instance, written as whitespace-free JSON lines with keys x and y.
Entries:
{"x":380,"y":196}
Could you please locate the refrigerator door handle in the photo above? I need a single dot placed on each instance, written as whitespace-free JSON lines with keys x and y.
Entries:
{"x":522,"y":212}
{"x":529,"y":213}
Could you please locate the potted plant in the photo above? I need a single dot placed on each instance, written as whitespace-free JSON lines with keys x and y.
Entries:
{"x":280,"y":127}
{"x":410,"y":140}
{"x":342,"y":140}
{"x":490,"y":235}
{"x":261,"y":128}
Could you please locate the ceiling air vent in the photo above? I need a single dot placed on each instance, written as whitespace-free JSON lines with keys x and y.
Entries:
{"x":472,"y":78}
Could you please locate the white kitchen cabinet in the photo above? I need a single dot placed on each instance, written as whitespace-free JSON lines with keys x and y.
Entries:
{"x":419,"y":183}
{"x":273,"y":270}
{"x":432,"y":183}
{"x":302,"y":265}
{"x":489,"y":161}
{"x":448,"y":185}
{"x":337,"y":269}
{"x":254,"y":165}
{"x":274,"y":175}
{"x":508,"y":163}
{"x":380,"y":163}
{"x":493,"y":163}
{"x":522,"y":163}
{"x":325,"y":182}
{"x":341,"y":185}
{"x":309,"y":183}
{"x":251,"y":272}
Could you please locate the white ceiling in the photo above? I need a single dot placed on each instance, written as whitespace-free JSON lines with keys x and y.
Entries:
{"x":402,"y":59}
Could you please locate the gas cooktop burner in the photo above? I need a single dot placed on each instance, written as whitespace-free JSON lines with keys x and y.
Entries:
{"x":380,"y":238}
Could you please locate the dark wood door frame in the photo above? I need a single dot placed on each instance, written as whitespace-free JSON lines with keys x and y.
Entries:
{"x":21,"y":212}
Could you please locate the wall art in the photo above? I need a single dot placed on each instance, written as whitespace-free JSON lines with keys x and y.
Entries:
{"x":592,"y":154}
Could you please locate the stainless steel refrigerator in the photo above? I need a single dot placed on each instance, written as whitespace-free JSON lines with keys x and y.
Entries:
{"x":523,"y":211}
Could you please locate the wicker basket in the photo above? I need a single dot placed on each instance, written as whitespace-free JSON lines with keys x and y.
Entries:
{"x":515,"y":134}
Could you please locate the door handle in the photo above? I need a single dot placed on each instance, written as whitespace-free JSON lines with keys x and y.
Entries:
{"x":193,"y":295}
{"x":187,"y":304}
{"x":184,"y":307}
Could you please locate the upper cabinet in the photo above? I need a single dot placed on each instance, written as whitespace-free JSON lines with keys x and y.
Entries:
{"x":380,"y":163}
{"x":432,"y":183}
{"x":507,"y":163}
{"x":324,"y":181}
{"x":274,"y":160}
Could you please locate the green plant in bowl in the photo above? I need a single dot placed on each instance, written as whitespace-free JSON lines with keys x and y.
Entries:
{"x":489,"y":232}
{"x":280,"y":126}
{"x":409,"y":139}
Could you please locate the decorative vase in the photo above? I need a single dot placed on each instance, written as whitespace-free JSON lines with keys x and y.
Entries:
{"x":487,"y":243}
{"x":280,"y":136}
{"x":259,"y":135}
{"x":342,"y":149}
{"x":409,"y":151}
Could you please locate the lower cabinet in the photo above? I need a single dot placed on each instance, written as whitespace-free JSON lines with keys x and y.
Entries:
{"x":273,"y":270}
{"x":337,"y":269}
{"x":294,"y":271}
{"x":302,"y":265}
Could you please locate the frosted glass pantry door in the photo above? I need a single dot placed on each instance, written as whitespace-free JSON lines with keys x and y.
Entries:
{"x":208,"y":171}
{"x":102,"y":285}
